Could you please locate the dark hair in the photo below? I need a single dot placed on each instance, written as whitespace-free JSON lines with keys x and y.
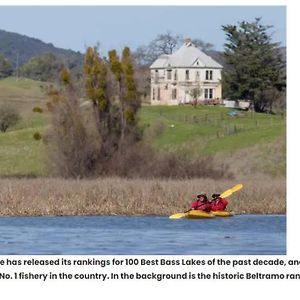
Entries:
{"x":215,"y":195}
{"x":204,"y":196}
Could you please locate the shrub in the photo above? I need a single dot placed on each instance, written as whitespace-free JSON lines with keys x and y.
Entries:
{"x":5,"y":67}
{"x":138,"y":161}
{"x":37,"y":136}
{"x":9,"y":116}
{"x":71,"y":143}
{"x":37,"y":109}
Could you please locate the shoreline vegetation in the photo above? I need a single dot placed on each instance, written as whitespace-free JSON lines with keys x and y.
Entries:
{"x":120,"y":196}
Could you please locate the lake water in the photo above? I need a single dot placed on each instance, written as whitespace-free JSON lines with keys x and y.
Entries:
{"x":98,"y":235}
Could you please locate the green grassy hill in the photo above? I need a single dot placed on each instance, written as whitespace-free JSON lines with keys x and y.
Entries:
{"x":248,"y":142}
{"x":20,"y":154}
{"x":208,"y":130}
{"x":23,"y":94}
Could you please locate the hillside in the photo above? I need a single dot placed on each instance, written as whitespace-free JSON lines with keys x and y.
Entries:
{"x":251,"y":143}
{"x":23,"y":94}
{"x":20,"y":48}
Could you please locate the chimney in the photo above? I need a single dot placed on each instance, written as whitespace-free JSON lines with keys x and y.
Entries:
{"x":188,"y":41}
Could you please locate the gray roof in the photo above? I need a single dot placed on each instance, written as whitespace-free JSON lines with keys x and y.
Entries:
{"x":186,"y":56}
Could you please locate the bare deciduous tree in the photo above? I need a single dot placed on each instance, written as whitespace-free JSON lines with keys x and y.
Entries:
{"x":195,"y":93}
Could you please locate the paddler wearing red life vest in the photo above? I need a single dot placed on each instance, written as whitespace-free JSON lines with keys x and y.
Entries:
{"x":218,"y":203}
{"x":201,"y":203}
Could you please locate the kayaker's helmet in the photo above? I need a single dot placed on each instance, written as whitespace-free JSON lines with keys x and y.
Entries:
{"x":202,"y":197}
{"x":215,"y":195}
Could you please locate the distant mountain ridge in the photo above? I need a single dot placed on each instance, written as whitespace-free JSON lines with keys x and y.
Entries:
{"x":20,"y":48}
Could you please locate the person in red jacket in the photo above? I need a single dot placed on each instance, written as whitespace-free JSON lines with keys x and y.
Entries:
{"x":201,"y":203}
{"x":218,"y":203}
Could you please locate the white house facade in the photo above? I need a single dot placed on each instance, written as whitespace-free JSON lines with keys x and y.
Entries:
{"x":184,"y":76}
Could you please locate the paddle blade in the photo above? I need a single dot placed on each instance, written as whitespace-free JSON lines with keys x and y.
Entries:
{"x":236,"y":187}
{"x":177,"y":216}
{"x":232,"y":190}
{"x":226,"y":194}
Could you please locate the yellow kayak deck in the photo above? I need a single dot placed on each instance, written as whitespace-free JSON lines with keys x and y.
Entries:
{"x":222,"y":213}
{"x":200,"y":214}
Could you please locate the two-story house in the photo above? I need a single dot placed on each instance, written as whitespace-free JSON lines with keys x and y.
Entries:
{"x":176,"y":77}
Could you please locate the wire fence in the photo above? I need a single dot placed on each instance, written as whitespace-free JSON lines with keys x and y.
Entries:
{"x":225,"y":124}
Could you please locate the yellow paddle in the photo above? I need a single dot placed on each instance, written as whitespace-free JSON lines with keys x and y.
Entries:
{"x":177,"y":216}
{"x":223,"y":195}
{"x":229,"y":192}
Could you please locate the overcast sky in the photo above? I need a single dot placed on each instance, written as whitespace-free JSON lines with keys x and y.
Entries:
{"x":75,"y":27}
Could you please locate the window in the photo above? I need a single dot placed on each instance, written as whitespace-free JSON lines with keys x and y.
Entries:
{"x":169,"y":74}
{"x":209,"y":75}
{"x":175,"y":75}
{"x":158,"y":93}
{"x":197,"y":76}
{"x":174,"y":94}
{"x":153,"y":94}
{"x":208,"y":93}
{"x":187,"y":75}
{"x":156,"y":76}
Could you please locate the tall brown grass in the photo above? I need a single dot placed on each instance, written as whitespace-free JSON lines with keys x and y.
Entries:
{"x":116,"y":196}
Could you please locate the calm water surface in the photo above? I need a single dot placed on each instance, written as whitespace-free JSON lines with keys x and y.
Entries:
{"x":241,"y":234}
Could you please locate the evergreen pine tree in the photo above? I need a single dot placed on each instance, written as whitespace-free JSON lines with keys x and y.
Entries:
{"x":131,"y":100}
{"x":96,"y":89}
{"x":5,"y":67}
{"x":255,"y":67}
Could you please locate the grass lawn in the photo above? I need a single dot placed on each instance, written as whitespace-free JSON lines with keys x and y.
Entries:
{"x":22,"y":87}
{"x":207,"y":130}
{"x":20,"y":153}
{"x":23,"y":94}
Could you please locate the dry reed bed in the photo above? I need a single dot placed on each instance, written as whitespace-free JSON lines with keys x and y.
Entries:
{"x":117,"y":196}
